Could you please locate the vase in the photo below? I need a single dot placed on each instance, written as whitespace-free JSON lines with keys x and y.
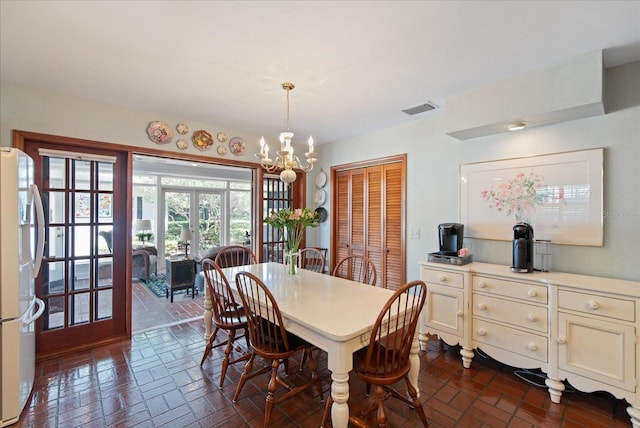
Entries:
{"x":291,"y":262}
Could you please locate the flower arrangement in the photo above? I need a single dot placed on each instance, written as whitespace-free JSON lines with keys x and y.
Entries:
{"x":293,"y":222}
{"x":518,"y":196}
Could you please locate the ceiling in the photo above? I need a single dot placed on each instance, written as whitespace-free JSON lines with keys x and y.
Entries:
{"x":355,"y":64}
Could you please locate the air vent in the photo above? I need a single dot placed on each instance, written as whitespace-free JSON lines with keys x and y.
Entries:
{"x":419,"y":109}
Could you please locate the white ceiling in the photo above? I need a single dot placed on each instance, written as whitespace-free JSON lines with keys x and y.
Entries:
{"x":355,"y":64}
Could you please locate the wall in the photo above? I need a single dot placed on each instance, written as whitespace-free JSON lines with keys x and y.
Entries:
{"x":432,"y":177}
{"x":28,"y":109}
{"x":433,"y":161}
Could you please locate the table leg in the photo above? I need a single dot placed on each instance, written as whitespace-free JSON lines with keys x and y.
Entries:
{"x":415,"y":363}
{"x":208,"y":314}
{"x":340,"y":395}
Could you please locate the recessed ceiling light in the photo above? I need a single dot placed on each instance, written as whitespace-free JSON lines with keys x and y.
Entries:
{"x":516,"y":126}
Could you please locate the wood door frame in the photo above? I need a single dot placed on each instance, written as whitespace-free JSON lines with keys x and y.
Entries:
{"x":401,"y":158}
{"x":20,"y":137}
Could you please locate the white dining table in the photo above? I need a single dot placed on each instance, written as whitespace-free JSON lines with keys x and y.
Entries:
{"x":332,"y":313}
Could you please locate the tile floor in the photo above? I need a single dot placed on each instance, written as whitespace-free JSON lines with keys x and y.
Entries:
{"x":154,"y":380}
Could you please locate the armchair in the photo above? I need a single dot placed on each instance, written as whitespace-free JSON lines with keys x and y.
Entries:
{"x":144,"y":263}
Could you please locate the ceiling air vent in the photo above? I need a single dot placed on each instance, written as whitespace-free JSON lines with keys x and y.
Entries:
{"x":419,"y":109}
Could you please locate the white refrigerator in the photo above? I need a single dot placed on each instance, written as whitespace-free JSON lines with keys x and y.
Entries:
{"x":21,"y":221}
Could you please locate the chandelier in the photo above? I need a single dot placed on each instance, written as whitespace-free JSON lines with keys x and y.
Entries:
{"x":285,"y":159}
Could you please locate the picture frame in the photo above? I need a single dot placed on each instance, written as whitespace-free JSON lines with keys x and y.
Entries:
{"x":559,"y":195}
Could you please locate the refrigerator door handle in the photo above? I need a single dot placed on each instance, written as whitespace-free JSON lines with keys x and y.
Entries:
{"x":37,"y":315}
{"x":33,"y":189}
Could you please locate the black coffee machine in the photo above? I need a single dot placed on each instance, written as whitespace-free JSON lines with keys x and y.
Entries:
{"x":522,"y":248}
{"x":451,"y":236}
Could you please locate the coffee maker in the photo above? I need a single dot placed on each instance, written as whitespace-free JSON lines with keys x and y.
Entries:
{"x":451,"y":236}
{"x":522,"y":248}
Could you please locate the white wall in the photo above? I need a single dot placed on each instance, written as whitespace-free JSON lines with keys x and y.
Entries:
{"x":432,"y":170}
{"x":432,"y":178}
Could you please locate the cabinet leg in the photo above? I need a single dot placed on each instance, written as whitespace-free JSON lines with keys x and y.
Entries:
{"x":634,"y":412}
{"x":555,"y":389}
{"x":423,"y":339}
{"x":467,"y":356}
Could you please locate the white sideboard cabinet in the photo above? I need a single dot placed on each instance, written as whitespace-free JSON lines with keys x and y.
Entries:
{"x":573,"y":327}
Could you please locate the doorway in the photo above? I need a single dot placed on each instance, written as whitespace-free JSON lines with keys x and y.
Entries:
{"x":214,"y":202}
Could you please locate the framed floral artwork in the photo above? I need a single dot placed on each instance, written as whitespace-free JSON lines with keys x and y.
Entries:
{"x":559,"y":195}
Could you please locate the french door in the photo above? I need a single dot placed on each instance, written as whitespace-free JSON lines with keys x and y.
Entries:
{"x":202,"y":211}
{"x":84,"y":196}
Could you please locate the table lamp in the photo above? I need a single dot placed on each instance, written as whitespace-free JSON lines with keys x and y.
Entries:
{"x":143,"y":228}
{"x":185,"y":236}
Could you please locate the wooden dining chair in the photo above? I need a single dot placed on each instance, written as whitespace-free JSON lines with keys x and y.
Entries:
{"x":235,"y":255}
{"x":227,"y":315}
{"x":387,"y":355}
{"x":270,"y":340}
{"x":356,"y":268}
{"x":311,"y":258}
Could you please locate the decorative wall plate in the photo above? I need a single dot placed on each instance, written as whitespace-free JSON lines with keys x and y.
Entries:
{"x":322,"y":214}
{"x":222,"y":150}
{"x":159,"y":132}
{"x":321,"y":179}
{"x":222,"y":137}
{"x":182,"y":128}
{"x":320,"y":197}
{"x":202,"y":139}
{"x":237,"y":146}
{"x":182,"y":144}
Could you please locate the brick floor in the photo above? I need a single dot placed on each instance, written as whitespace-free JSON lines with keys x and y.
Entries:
{"x":154,"y":380}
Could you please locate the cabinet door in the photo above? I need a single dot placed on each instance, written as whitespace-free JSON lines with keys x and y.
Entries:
{"x":444,"y":312}
{"x":599,"y":351}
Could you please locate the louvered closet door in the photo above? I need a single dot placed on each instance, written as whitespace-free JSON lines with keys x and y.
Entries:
{"x":374,"y":220}
{"x":350,"y":213}
{"x":370,"y":212}
{"x":393,"y":191}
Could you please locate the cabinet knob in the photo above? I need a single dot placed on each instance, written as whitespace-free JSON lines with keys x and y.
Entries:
{"x":482,"y":306}
{"x":562,"y":340}
{"x":532,"y":347}
{"x":460,"y":313}
{"x":592,"y":304}
{"x":532,"y":317}
{"x":482,"y":284}
{"x":442,"y":278}
{"x":532,"y":293}
{"x":482,"y":332}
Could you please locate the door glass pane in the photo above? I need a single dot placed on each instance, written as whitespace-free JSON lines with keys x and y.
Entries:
{"x":81,"y":207}
{"x":53,"y":274}
{"x":81,"y":241}
{"x":79,"y":304}
{"x":105,"y":210}
{"x":54,"y":206}
{"x":105,"y":272}
{"x":55,"y":313}
{"x":209,"y":224}
{"x":177,"y":215}
{"x":240,"y":213}
{"x":103,"y":298}
{"x":81,"y":275}
{"x":55,"y":172}
{"x":55,"y":243}
{"x":82,"y":175}
{"x":105,"y":176}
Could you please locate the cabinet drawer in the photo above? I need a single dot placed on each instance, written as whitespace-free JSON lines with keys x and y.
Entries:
{"x":519,"y":290}
{"x":520,"y":314}
{"x":452,"y":279}
{"x":512,"y":340}
{"x":610,"y":307}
